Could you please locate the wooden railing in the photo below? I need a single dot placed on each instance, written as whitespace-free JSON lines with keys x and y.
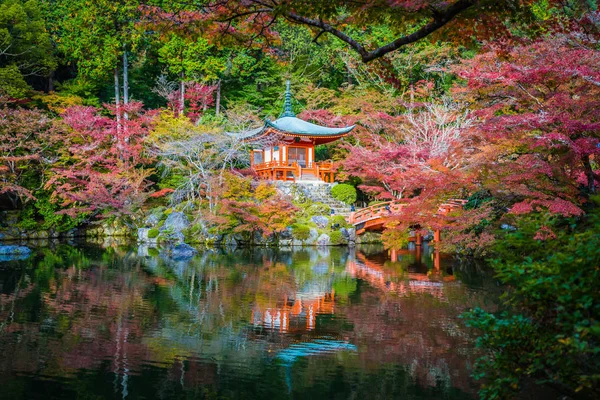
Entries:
{"x":389,"y":208}
{"x":377,"y":211}
{"x":268,"y":170}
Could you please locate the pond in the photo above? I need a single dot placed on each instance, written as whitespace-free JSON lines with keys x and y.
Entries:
{"x":125,"y":322}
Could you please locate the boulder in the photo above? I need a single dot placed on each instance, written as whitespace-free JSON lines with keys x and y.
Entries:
{"x":345,"y":233}
{"x":321,"y":221}
{"x":312,"y":238}
{"x":286,"y":234}
{"x":351,"y":234}
{"x":285,"y":242}
{"x":143,"y":236}
{"x":229,"y":241}
{"x":323,"y":240}
{"x":152,"y":220}
{"x":175,"y":222}
{"x":259,"y":239}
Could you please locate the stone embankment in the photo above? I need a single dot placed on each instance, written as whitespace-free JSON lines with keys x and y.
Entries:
{"x":168,"y":227}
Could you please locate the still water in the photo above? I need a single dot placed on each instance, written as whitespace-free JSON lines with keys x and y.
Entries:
{"x":121,"y":322}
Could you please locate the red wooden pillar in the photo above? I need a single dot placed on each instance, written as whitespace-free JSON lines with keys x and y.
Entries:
{"x":418,"y":240}
{"x":437,"y":237}
{"x":394,"y":255}
{"x":437,"y":260}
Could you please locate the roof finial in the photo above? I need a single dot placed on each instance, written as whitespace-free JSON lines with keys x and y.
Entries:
{"x":287,"y":106}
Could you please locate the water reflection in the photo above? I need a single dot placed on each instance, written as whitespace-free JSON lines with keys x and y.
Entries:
{"x":126,"y":322}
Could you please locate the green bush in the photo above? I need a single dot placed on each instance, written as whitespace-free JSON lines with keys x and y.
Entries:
{"x":336,"y":238}
{"x":43,"y":214}
{"x":153,"y":233}
{"x":300,"y":232}
{"x":340,"y":220}
{"x":344,"y":192}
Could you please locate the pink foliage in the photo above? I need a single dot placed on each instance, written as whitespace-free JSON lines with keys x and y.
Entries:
{"x":103,"y":174}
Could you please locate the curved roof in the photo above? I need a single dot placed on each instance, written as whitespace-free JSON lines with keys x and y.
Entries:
{"x":288,"y":123}
{"x":298,"y":126}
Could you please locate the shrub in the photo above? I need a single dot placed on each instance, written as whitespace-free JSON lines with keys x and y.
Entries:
{"x":153,"y":233}
{"x":300,"y":232}
{"x":340,"y":220}
{"x":549,"y":329}
{"x":344,"y":192}
{"x":336,"y":238}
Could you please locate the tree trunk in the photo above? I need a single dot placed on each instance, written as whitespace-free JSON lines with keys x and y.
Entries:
{"x":218,"y":101}
{"x":125,"y":82}
{"x":589,"y":173}
{"x":117,"y":98}
{"x":182,"y":95}
{"x":51,"y":81}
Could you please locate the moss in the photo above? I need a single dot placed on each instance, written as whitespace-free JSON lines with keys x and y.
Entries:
{"x":153,"y":233}
{"x":300,"y":232}
{"x":336,"y":238}
{"x":153,"y":252}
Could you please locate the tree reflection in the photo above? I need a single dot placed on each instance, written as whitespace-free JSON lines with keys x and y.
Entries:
{"x":127,"y":314}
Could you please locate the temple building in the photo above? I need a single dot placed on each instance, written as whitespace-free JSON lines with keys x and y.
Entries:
{"x":287,"y":147}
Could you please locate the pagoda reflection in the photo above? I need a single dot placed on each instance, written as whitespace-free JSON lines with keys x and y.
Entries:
{"x":295,"y":315}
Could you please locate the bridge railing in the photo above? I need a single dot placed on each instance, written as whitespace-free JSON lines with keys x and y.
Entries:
{"x":388,"y":208}
{"x":377,"y":211}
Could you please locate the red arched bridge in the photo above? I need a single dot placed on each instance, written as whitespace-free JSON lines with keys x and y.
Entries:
{"x":375,"y":217}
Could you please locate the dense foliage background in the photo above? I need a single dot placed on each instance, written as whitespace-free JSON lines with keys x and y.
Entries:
{"x":109,"y":109}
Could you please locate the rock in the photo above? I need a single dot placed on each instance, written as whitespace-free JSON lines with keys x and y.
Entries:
{"x":286,"y":234}
{"x":345,"y":233}
{"x":182,"y":252}
{"x":297,"y":242}
{"x":312,"y":238}
{"x":12,"y":250}
{"x":228,"y":240}
{"x":508,"y":227}
{"x":142,"y":235}
{"x":351,"y":234}
{"x":175,"y":222}
{"x":259,"y":239}
{"x":323,"y":240}
{"x":285,"y":242}
{"x":152,"y":220}
{"x":321,"y":221}
{"x":211,"y":239}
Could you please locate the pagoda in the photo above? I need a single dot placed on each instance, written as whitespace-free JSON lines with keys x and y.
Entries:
{"x":288,"y":145}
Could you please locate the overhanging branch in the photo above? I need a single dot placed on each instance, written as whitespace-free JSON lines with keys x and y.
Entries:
{"x":440,"y":18}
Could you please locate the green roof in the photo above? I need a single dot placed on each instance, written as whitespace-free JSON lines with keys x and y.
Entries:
{"x":289,"y":123}
{"x":298,"y":126}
